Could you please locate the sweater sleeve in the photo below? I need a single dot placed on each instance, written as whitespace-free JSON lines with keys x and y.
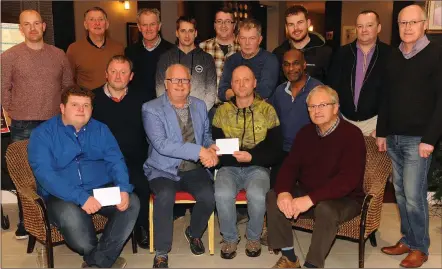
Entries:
{"x":211,"y":90}
{"x":269,"y":77}
{"x":7,"y":62}
{"x":40,"y":156}
{"x":350,"y":174}
{"x":269,"y":151}
{"x":434,"y":130}
{"x":161,"y":74}
{"x":226,"y":78}
{"x":68,"y":78}
{"x":71,"y":57}
{"x":381,"y":125}
{"x":334,"y":70}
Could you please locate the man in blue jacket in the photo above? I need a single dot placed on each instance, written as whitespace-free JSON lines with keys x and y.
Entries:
{"x":181,"y":145}
{"x":70,"y":155}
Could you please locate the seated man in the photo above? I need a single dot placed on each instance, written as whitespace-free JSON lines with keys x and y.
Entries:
{"x":118,"y":105}
{"x":321,"y":178}
{"x":177,"y":128}
{"x":70,"y":155}
{"x":254,"y":122}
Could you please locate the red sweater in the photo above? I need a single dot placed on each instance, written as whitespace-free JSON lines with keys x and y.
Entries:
{"x":327,"y":167}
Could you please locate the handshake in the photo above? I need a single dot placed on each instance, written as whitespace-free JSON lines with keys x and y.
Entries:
{"x":208,"y":156}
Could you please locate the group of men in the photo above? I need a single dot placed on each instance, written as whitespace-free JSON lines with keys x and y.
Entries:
{"x":146,"y":122}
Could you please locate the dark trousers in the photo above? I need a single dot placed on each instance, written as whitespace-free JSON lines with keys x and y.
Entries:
{"x":327,"y":215}
{"x":142,"y":189}
{"x":198,"y":183}
{"x":78,"y":230}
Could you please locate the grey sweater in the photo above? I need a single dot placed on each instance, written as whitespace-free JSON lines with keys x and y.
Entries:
{"x":202,"y":71}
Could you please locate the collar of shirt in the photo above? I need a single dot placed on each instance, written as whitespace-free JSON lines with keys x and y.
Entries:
{"x":330,"y":130}
{"x":186,"y":105}
{"x":115,"y":99}
{"x":93,"y":44}
{"x":289,"y":92}
{"x":421,"y":43}
{"x":154,"y":46}
{"x":366,"y":57}
{"x":232,"y":46}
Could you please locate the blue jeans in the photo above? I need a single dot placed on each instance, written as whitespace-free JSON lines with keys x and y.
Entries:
{"x":410,"y":185}
{"x":21,"y":129}
{"x":78,"y":230}
{"x":229,"y":181}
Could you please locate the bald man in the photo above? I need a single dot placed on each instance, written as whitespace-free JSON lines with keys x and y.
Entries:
{"x":34,"y":74}
{"x":409,"y":126}
{"x":255,"y":124}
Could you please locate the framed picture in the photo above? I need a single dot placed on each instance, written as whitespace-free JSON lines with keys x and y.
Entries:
{"x":434,"y":13}
{"x":348,"y":34}
{"x":132,"y":33}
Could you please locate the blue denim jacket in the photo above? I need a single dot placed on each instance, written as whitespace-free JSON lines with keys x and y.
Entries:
{"x":166,"y":146}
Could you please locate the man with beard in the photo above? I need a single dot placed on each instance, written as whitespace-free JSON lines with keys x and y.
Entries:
{"x":146,"y":53}
{"x":316,"y":53}
{"x":89,"y":56}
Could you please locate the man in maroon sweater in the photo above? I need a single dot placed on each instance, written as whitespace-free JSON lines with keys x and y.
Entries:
{"x":321,"y":179}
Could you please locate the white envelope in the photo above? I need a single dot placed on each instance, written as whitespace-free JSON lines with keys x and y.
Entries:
{"x":108,"y":196}
{"x":227,"y":145}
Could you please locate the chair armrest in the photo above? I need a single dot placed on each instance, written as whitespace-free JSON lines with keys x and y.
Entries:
{"x":34,"y":213}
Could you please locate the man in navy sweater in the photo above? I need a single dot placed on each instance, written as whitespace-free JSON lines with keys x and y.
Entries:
{"x":119,"y":106}
{"x":409,"y":125}
{"x":264,"y":65}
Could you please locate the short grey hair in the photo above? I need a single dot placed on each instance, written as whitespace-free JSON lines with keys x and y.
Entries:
{"x":324,"y":88}
{"x":168,"y":70}
{"x":149,"y":11}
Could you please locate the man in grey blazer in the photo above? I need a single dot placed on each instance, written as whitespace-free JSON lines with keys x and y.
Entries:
{"x":181,"y":147}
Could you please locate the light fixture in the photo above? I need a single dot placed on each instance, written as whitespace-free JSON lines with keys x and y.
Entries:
{"x":310,"y":28}
{"x":126,"y":5}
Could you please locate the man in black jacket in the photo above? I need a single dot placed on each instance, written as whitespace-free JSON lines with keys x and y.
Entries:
{"x":145,"y":53}
{"x":356,"y":72}
{"x":316,"y":53}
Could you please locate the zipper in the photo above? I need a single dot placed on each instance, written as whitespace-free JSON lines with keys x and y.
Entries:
{"x":78,"y":161}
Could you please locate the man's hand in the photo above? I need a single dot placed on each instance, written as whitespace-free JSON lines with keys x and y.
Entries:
{"x":381,"y":142}
{"x":124,"y":201}
{"x":91,"y":206}
{"x":425,"y":150}
{"x":207,"y":157}
{"x":229,"y":94}
{"x":242,"y":156}
{"x":373,"y":134}
{"x":300,"y":205}
{"x":284,"y":202}
{"x":214,"y":149}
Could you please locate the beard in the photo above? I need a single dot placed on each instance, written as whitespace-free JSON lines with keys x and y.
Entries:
{"x":301,"y":38}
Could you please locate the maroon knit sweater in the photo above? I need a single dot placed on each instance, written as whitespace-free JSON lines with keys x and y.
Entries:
{"x":327,"y":167}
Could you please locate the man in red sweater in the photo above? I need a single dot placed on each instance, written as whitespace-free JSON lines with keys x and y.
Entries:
{"x":321,"y":178}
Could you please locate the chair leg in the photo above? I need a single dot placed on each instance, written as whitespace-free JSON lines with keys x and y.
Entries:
{"x":372,"y":238}
{"x":134,"y":242}
{"x":31,"y":244}
{"x":361,"y":252}
{"x":50,"y":255}
{"x":151,"y":224}
{"x":211,"y":235}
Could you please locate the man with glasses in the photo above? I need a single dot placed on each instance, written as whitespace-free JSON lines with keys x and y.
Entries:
{"x":356,"y":73}
{"x":263,"y":64}
{"x":146,"y":53}
{"x":201,"y":64}
{"x":321,"y":179}
{"x":408,"y":128}
{"x":89,"y":56}
{"x":317,"y":54}
{"x":181,"y":147}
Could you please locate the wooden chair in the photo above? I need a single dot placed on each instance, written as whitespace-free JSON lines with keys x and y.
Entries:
{"x":359,"y":229}
{"x":34,"y":210}
{"x":182,"y":197}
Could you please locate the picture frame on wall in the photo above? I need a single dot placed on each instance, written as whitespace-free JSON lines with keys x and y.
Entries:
{"x":132,"y":33}
{"x":434,"y":13}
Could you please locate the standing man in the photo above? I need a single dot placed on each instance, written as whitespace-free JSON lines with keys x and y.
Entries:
{"x":201,"y":64}
{"x":263,"y":64}
{"x":316,"y":53}
{"x":409,"y":126}
{"x":89,"y":56}
{"x":146,"y":53}
{"x":34,"y":74}
{"x":119,"y":107}
{"x":356,"y":73}
{"x":181,"y":146}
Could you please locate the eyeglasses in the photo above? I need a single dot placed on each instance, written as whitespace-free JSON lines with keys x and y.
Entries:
{"x":184,"y":81}
{"x":320,"y":106}
{"x":406,"y":23}
{"x":226,"y":22}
